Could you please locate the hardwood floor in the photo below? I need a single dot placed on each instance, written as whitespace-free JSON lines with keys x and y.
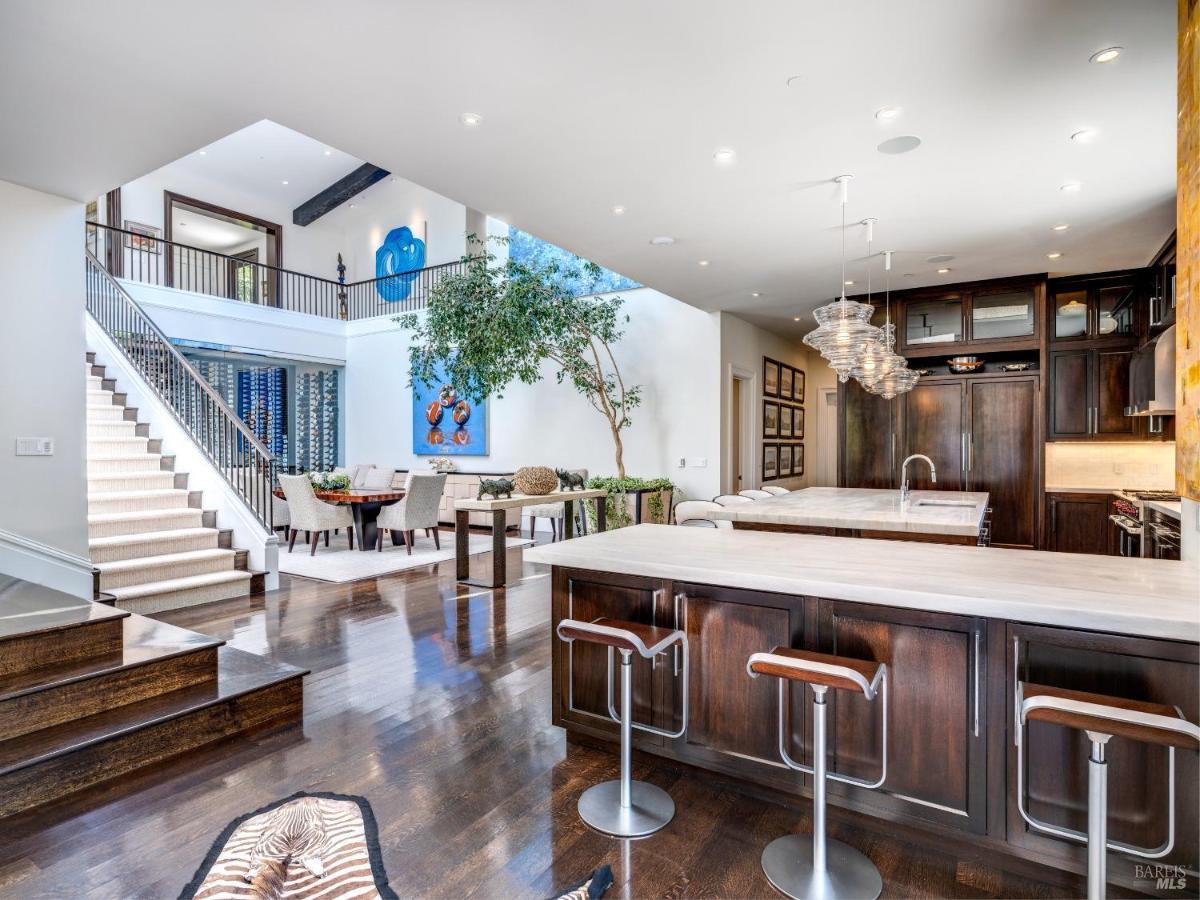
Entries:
{"x":433,"y":702}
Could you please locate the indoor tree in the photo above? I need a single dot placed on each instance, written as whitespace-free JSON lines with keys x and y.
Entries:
{"x":495,"y":323}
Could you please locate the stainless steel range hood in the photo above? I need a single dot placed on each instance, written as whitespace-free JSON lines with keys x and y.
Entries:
{"x":1152,"y":378}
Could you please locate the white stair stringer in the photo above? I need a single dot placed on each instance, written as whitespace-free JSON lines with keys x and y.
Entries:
{"x":147,"y":541}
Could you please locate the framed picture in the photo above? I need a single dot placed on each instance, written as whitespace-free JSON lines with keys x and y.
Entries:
{"x":797,"y":394}
{"x":785,"y":382}
{"x":446,"y":423}
{"x":797,"y":460}
{"x":771,"y":413}
{"x":785,"y":460}
{"x":770,"y":377}
{"x":144,"y":237}
{"x":770,"y":462}
{"x":797,"y":422}
{"x":785,"y":421}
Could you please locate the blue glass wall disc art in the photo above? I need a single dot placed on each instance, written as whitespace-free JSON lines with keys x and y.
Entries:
{"x":397,"y":261}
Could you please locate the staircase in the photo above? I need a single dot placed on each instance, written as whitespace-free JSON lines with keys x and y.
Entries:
{"x":151,"y":541}
{"x":89,"y":693}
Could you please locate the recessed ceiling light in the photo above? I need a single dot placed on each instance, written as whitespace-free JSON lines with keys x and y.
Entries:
{"x":662,"y":241}
{"x":903,"y":144}
{"x":755,"y":294}
{"x":1084,"y":136}
{"x":204,"y":153}
{"x":795,"y":318}
{"x":1063,"y":226}
{"x":352,"y":205}
{"x":1070,"y":187}
{"x":793,"y":80}
{"x":284,"y":181}
{"x":618,"y":210}
{"x":887,"y":113}
{"x":329,"y":153}
{"x":940,"y":258}
{"x":943,"y":271}
{"x":1054,"y":255}
{"x":183,"y":224}
{"x":1107,"y":55}
{"x":703,"y":262}
{"x":847,"y":283}
{"x":723,"y":156}
{"x":471,"y":119}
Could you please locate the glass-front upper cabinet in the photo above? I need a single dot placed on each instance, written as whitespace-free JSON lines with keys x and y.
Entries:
{"x":1001,"y":315}
{"x":934,"y":322}
{"x":1102,"y":310}
{"x":1071,"y":317}
{"x":1114,"y":310}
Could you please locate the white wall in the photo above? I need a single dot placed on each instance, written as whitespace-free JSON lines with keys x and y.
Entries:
{"x":394,"y":202}
{"x":743,"y":346}
{"x":42,"y":370}
{"x":669,"y":348}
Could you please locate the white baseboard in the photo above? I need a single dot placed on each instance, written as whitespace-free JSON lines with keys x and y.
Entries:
{"x":42,"y":564}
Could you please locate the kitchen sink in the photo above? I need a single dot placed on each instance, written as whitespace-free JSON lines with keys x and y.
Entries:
{"x":928,"y":502}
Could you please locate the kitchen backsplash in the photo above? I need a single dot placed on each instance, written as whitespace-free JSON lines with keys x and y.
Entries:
{"x":1149,"y":466}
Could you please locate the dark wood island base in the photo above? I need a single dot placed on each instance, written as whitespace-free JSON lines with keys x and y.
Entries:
{"x":877,"y":534}
{"x":952,"y":761}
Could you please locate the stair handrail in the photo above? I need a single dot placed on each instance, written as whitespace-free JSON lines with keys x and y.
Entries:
{"x":243,"y":460}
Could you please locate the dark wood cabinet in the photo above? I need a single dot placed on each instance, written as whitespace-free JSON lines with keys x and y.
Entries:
{"x":1078,"y":523}
{"x":997,"y":315}
{"x":1107,"y":307}
{"x":935,"y":425}
{"x":1089,"y":391}
{"x":1003,"y":451}
{"x":1055,"y":757}
{"x":868,"y":437}
{"x":936,"y":745}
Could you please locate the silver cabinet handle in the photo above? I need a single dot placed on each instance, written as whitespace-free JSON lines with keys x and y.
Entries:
{"x":680,"y":596}
{"x":962,"y":452}
{"x":978,"y":638}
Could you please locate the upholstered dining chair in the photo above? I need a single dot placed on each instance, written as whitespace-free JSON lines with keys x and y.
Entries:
{"x":754,"y":494}
{"x":555,"y":513}
{"x":731,"y":499}
{"x":418,"y":509}
{"x":694,"y":513}
{"x":311,"y":514}
{"x":772,"y":489}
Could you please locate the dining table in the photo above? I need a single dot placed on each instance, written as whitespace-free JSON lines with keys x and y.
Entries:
{"x":365,"y":504}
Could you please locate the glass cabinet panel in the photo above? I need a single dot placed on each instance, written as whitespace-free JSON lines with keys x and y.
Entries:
{"x":1071,"y":314}
{"x":1003,"y":315}
{"x":934,"y":322}
{"x":1114,"y":310}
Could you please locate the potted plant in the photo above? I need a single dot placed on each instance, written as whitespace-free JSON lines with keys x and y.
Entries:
{"x":633,"y":501}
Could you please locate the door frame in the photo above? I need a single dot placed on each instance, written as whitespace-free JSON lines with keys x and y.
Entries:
{"x":832,"y":454}
{"x":749,"y":427}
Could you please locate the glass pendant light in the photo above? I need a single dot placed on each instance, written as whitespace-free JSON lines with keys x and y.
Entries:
{"x":869,"y":365}
{"x":893,"y":376}
{"x":844,"y":326}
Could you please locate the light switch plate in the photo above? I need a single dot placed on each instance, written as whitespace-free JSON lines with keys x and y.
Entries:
{"x":35,"y":446}
{"x":698,"y":462}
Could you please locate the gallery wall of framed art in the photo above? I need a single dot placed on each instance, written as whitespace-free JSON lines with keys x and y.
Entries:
{"x":782,"y":421}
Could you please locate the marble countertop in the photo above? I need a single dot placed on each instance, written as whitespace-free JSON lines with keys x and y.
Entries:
{"x":1076,"y":489}
{"x":826,"y":507}
{"x":1172,"y":508}
{"x":1143,"y":597}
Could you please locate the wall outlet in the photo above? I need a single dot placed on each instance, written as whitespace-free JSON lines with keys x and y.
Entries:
{"x":35,"y":446}
{"x":698,"y":462}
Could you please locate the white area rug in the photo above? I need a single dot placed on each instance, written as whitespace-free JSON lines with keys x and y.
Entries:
{"x":339,"y":564}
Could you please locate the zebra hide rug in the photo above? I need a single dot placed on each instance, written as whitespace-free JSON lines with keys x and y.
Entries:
{"x":307,"y":845}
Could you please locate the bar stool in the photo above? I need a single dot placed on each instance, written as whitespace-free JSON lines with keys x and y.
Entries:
{"x":1102,"y":717}
{"x":628,"y":808}
{"x":821,"y":867}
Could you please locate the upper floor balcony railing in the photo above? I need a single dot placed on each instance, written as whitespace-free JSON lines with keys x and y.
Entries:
{"x":150,"y":260}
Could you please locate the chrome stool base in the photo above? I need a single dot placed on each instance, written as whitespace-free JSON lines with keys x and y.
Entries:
{"x":788,"y":864}
{"x":651,"y":810}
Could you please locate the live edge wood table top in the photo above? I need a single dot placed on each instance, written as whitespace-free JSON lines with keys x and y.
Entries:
{"x":354,"y":495}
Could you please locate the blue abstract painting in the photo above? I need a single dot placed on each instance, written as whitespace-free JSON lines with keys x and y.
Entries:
{"x":445,"y":423}
{"x":397,"y":261}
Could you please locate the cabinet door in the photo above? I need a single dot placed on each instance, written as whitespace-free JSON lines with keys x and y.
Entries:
{"x":868,"y":440}
{"x":934,"y":425}
{"x":936,"y":722}
{"x":1002,"y":455}
{"x":1070,"y":406}
{"x":935,"y":322}
{"x":733,"y":718}
{"x":580,"y":668}
{"x":1112,"y":396}
{"x":1056,"y":757}
{"x":1078,"y":523}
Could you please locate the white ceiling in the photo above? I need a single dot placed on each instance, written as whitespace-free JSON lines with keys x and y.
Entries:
{"x":588,"y":105}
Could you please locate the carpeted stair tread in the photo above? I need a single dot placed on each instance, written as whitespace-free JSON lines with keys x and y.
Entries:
{"x":133,"y":515}
{"x":145,"y":641}
{"x":162,"y":567}
{"x":238,"y":673}
{"x":100,"y":483}
{"x":174,"y":585}
{"x":151,"y":537}
{"x":155,"y":498}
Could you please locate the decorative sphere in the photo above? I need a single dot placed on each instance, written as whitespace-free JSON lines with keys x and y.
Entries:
{"x":434,"y":413}
{"x":535,"y":480}
{"x":462,"y":412}
{"x":447,"y":396}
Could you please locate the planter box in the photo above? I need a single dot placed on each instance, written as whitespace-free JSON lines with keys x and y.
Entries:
{"x":638,"y":507}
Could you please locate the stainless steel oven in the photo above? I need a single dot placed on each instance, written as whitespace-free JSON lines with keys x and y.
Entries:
{"x":1129,"y":534}
{"x":1136,"y":534}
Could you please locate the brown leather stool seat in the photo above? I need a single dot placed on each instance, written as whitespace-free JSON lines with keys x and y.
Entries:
{"x":1102,"y":718}
{"x":821,"y":867}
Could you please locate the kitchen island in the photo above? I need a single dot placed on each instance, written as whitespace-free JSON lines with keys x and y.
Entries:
{"x":957,"y":626}
{"x":948,"y":517}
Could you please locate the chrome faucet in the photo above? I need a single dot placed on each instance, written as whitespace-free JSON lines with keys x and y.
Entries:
{"x":904,"y":474}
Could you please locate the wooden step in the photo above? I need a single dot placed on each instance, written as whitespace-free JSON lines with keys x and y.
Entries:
{"x":40,"y":627}
{"x":154,"y":658}
{"x":250,"y":694}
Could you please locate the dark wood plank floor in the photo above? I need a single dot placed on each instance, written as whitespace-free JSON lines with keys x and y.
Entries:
{"x":432,"y":701}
